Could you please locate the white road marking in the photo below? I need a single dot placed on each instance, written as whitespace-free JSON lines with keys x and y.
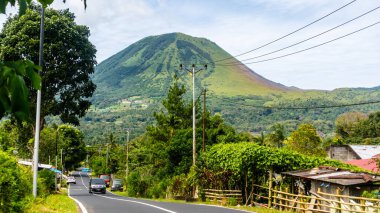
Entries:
{"x":132,"y":201}
{"x":81,"y":206}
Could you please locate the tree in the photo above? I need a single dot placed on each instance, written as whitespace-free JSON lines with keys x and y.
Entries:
{"x":305,"y":140}
{"x":276,"y":137}
{"x":13,"y":90}
{"x":346,"y":123}
{"x":69,"y":60}
{"x":73,"y":146}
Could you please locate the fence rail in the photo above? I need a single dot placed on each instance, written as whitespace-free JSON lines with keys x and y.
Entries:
{"x":223,"y":195}
{"x":316,"y":202}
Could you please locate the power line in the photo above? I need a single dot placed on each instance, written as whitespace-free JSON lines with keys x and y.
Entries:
{"x":291,"y":33}
{"x":329,"y":30}
{"x":303,"y":50}
{"x":312,"y":107}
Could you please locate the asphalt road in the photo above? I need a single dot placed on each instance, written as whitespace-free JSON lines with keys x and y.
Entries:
{"x":111,"y":203}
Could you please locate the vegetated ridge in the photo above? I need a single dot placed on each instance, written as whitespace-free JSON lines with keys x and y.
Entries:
{"x":131,"y":84}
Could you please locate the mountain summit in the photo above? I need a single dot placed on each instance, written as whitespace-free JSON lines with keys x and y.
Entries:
{"x":146,"y":68}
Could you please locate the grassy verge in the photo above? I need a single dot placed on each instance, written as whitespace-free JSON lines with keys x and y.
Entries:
{"x":53,"y":203}
{"x":246,"y":208}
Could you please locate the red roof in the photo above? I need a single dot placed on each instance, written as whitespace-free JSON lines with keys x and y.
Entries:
{"x":369,"y":164}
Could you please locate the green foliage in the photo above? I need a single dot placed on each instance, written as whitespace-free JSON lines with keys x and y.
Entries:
{"x":371,"y":194}
{"x":346,"y":123}
{"x":68,"y":62}
{"x":358,"y":128}
{"x":305,"y":140}
{"x":73,"y":146}
{"x":136,"y":185}
{"x":13,"y":89}
{"x":46,"y":182}
{"x":15,"y":187}
{"x":276,"y":137}
{"x":14,"y":137}
{"x":240,"y":157}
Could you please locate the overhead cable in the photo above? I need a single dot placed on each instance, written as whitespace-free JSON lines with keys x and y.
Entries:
{"x":310,"y":38}
{"x":291,"y":33}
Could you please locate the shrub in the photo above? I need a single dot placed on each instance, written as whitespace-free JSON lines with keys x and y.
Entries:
{"x":46,"y":182}
{"x":15,"y":184}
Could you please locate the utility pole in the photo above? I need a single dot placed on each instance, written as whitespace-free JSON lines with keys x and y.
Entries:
{"x":193,"y":71}
{"x":127,"y":167}
{"x":204,"y":117}
{"x":55,"y":173}
{"x":38,"y":107}
{"x":107,"y":157}
{"x":60,"y":181}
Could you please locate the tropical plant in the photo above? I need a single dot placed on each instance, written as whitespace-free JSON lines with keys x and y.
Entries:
{"x":68,"y":63}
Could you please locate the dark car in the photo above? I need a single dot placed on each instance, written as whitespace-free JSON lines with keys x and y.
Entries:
{"x":106,"y":178}
{"x":97,"y":185}
{"x":117,"y":185}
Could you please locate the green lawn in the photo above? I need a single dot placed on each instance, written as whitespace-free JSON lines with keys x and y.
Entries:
{"x":59,"y":203}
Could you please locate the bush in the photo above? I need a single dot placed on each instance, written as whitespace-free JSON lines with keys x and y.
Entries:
{"x":46,"y":182}
{"x":15,"y":184}
{"x":136,"y":187}
{"x":158,"y":190}
{"x":232,"y":201}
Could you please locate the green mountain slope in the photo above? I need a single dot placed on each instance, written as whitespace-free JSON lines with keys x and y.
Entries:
{"x":131,"y":84}
{"x":146,"y":68}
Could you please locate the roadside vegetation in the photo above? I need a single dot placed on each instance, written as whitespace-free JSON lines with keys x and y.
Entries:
{"x":59,"y":202}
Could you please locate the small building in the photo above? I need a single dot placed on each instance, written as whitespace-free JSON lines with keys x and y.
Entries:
{"x":352,"y":152}
{"x":330,"y":180}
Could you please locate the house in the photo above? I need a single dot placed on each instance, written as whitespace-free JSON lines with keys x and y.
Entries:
{"x":329,"y":180}
{"x":352,"y":152}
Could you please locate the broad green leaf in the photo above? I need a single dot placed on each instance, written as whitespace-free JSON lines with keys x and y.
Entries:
{"x":34,"y":77}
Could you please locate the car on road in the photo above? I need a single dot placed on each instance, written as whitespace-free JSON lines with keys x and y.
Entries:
{"x":97,"y":185}
{"x":117,"y":185}
{"x":106,"y":178}
{"x":71,"y":179}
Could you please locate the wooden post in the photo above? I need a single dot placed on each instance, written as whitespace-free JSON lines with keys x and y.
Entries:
{"x":253,"y":187}
{"x":287,"y":197}
{"x":275,"y":196}
{"x":362,"y":208}
{"x":270,"y":188}
{"x":337,"y":192}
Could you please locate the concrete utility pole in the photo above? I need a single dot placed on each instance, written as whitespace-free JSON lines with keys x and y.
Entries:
{"x":204,"y":117}
{"x":38,"y":108}
{"x":193,"y":71}
{"x":127,"y":167}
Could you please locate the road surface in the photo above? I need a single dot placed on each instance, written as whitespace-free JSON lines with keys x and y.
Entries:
{"x":111,"y":203}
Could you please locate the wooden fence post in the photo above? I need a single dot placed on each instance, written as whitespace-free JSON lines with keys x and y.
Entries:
{"x":270,"y":188}
{"x":337,"y":192}
{"x":286,"y":197}
{"x":275,"y":194}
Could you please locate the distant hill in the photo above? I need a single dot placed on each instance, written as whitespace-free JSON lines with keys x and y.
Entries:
{"x":132,"y":83}
{"x":146,"y":68}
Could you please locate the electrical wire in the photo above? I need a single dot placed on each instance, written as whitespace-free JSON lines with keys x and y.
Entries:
{"x":312,"y":107}
{"x":303,"y":50}
{"x":310,"y":38}
{"x":291,"y":33}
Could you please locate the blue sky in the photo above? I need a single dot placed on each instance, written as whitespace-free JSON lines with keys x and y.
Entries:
{"x":241,"y":25}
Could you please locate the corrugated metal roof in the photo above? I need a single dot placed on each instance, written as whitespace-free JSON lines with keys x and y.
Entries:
{"x":335,"y":175}
{"x":365,"y":151}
